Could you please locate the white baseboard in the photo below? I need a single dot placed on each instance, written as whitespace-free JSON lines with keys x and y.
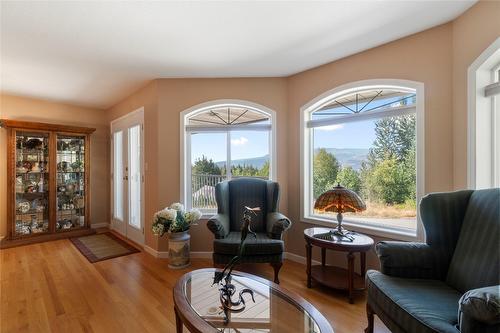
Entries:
{"x":208,"y":255}
{"x":164,"y":254}
{"x":300,"y":259}
{"x":154,"y":253}
{"x":100,"y":225}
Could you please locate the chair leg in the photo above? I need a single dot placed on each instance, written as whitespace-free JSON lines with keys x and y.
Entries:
{"x":369,"y":315}
{"x":276,"y":267}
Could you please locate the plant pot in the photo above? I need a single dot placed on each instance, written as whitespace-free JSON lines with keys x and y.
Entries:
{"x":178,"y":250}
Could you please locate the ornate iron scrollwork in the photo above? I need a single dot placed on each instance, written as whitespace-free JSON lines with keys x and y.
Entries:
{"x":223,"y":278}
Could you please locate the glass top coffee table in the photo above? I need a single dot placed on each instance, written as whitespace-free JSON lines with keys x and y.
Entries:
{"x":197,"y":306}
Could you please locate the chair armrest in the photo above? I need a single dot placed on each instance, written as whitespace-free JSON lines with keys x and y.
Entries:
{"x":219,"y":225}
{"x":406,"y":259}
{"x":481,"y":305}
{"x":277,"y":223}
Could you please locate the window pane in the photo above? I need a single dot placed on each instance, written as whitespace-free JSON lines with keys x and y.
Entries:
{"x":250,"y":154}
{"x":118,"y":175}
{"x":208,"y":158}
{"x":134,"y":160}
{"x":374,"y":158}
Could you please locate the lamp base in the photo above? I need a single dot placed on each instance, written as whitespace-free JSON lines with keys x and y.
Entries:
{"x":340,"y":231}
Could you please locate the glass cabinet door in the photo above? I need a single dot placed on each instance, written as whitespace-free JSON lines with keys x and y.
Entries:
{"x":70,"y":200}
{"x":32,"y":183}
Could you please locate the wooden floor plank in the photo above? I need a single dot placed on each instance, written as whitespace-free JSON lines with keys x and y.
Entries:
{"x":51,"y":287}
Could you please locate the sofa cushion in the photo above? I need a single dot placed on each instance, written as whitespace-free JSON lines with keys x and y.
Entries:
{"x":415,"y":305}
{"x":482,"y":304}
{"x":251,"y":192}
{"x":263,"y":245}
{"x":475,"y":261}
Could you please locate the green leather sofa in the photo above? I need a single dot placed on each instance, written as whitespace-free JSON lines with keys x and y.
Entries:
{"x":232,"y":196}
{"x":450,"y":283}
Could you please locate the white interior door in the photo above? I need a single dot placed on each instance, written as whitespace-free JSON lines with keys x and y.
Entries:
{"x":127,"y":175}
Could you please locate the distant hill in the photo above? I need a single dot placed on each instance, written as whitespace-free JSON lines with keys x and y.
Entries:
{"x":346,"y":157}
{"x":257,"y":162}
{"x":349,"y":156}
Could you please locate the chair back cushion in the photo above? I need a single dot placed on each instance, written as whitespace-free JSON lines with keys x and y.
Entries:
{"x":442,"y":215}
{"x":251,"y":192}
{"x":476,"y":260}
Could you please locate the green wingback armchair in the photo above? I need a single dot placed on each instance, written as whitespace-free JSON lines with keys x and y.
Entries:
{"x":232,"y":196}
{"x":450,"y":283}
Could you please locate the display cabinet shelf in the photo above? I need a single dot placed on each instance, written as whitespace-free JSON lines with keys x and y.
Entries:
{"x":47,"y":181}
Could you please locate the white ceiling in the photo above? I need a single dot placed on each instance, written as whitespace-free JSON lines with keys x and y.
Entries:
{"x":96,"y":53}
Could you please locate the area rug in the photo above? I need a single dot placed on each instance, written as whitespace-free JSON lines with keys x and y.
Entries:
{"x":102,"y":246}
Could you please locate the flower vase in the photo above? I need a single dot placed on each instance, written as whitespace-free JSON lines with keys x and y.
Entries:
{"x":178,"y":250}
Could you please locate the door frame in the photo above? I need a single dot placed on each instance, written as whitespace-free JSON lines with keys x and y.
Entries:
{"x":136,"y":116}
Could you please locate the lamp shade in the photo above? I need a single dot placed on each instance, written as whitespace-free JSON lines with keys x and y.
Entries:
{"x":340,"y":200}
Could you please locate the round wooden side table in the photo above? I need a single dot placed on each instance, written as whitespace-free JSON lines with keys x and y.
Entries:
{"x":332,"y":276}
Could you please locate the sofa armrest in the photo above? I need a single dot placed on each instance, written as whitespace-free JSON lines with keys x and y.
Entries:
{"x":219,"y":225}
{"x":406,"y":259}
{"x":479,"y":307}
{"x":277,"y":223}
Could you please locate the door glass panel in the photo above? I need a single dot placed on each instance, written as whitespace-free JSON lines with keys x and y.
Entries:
{"x":32,"y":179}
{"x":70,"y":182}
{"x":134,"y":160}
{"x":118,"y":175}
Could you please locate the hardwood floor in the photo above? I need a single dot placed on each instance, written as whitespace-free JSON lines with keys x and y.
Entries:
{"x":51,"y":287}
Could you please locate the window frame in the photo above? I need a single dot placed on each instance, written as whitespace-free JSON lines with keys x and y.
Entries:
{"x":185,"y":142}
{"x":306,"y":160}
{"x":483,"y":172}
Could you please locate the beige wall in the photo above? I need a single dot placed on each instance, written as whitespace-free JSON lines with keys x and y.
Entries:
{"x":20,"y":108}
{"x":146,"y":97}
{"x":473,"y":32}
{"x":424,"y":57}
{"x":438,"y":57}
{"x":163,"y":101}
{"x":177,"y":95}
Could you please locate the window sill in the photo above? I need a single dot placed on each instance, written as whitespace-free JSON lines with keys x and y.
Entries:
{"x":385,"y":232}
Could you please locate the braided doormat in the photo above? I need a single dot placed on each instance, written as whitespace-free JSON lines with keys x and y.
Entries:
{"x":102,"y":246}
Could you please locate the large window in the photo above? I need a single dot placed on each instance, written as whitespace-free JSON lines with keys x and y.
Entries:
{"x":223,"y":141}
{"x":364,"y":138}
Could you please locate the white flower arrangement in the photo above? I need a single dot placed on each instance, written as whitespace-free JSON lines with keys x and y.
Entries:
{"x":174,"y":219}
{"x":193,"y":216}
{"x":177,"y":206}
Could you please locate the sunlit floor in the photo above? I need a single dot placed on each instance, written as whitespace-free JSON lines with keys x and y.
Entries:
{"x":51,"y":287}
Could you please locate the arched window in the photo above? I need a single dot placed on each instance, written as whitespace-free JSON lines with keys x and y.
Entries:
{"x":222,"y":140}
{"x":367,"y":136}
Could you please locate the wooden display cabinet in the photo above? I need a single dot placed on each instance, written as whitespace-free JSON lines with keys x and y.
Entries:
{"x":48,"y":182}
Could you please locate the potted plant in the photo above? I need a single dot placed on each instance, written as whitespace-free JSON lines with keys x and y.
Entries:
{"x":175,"y":221}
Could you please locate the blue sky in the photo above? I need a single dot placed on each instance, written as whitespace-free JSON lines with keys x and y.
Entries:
{"x":359,"y":134}
{"x":248,"y":144}
{"x":244,"y":144}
